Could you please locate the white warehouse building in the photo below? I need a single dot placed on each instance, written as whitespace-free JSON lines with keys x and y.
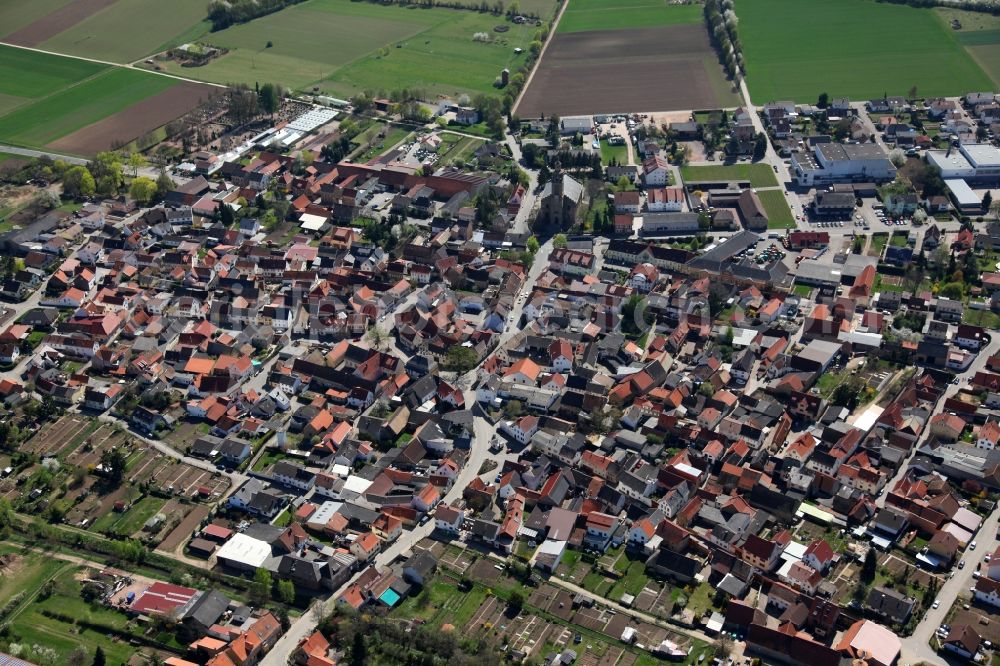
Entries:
{"x":970,"y":161}
{"x":842,"y":163}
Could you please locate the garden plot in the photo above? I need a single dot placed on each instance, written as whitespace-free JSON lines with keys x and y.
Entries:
{"x":180,"y":534}
{"x":56,"y":437}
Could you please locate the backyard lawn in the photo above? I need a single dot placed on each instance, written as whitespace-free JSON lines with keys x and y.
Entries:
{"x":393,"y":137}
{"x":700,"y":600}
{"x":437,"y":602}
{"x":879,"y":241}
{"x":984,"y":318}
{"x":284,"y":519}
{"x":617,"y":153}
{"x":802,"y":290}
{"x":829,"y":381}
{"x":779,"y":215}
{"x":457,"y":148}
{"x":268,"y":458}
{"x":633,"y":580}
{"x":759,"y":175}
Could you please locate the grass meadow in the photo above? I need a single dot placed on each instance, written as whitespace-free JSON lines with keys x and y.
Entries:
{"x":33,"y":622}
{"x":854,"y":48}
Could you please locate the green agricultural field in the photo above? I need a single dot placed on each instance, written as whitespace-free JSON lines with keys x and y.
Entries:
{"x":345,"y":47}
{"x":31,"y":74}
{"x":988,"y":57}
{"x":111,"y":33}
{"x":759,"y":175}
{"x":845,"y":49}
{"x":16,"y":14}
{"x":70,"y":109}
{"x":10,"y":102}
{"x":586,"y":15}
{"x":979,"y":37}
{"x":779,"y":215}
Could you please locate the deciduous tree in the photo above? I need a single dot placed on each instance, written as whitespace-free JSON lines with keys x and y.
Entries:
{"x":269,"y":98}
{"x":78,"y":182}
{"x":143,"y":190}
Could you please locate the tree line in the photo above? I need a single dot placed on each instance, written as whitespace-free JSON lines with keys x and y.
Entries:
{"x":965,"y":5}
{"x":722,"y":24}
{"x":496,"y":7}
{"x":224,"y":13}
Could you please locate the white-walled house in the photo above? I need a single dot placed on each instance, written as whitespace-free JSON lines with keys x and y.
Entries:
{"x":522,"y":429}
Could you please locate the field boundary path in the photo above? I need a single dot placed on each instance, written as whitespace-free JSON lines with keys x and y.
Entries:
{"x":114,"y":64}
{"x":541,"y":54}
{"x":27,"y":152}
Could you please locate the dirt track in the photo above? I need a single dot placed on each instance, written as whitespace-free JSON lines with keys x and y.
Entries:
{"x":56,"y":22}
{"x":135,"y":120}
{"x":614,"y":71}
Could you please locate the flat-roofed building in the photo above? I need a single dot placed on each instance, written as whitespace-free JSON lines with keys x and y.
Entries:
{"x":966,"y":200}
{"x":833,"y":205}
{"x":971,"y":161}
{"x":842,"y":163}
